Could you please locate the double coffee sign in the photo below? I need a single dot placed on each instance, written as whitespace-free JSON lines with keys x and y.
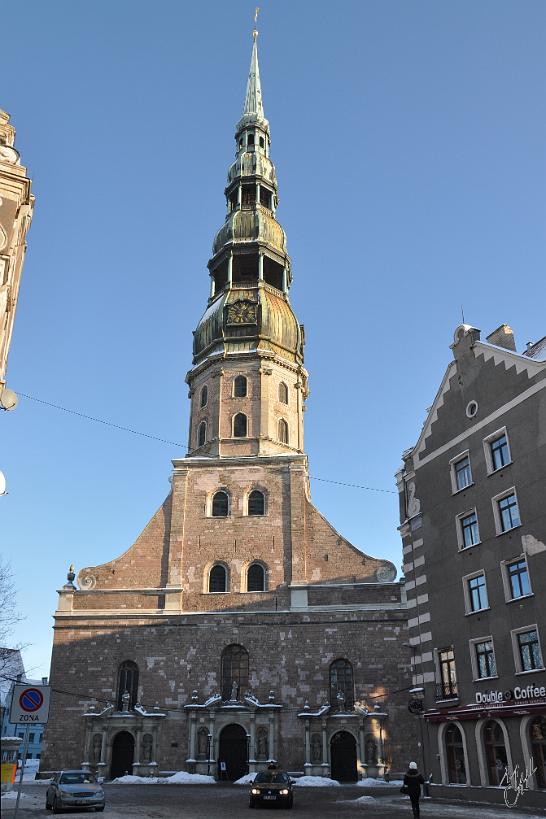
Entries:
{"x":531,"y":693}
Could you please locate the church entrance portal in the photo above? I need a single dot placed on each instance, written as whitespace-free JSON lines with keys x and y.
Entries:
{"x":233,"y":751}
{"x":123,"y":752}
{"x":343,"y":757}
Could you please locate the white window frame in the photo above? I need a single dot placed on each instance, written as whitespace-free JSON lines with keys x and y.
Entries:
{"x":496,"y":511}
{"x":515,"y":649}
{"x":474,"y":660}
{"x":239,"y":437}
{"x":506,"y":579}
{"x":454,"y":488}
{"x":491,"y":470}
{"x":468,"y":597}
{"x":459,"y":526}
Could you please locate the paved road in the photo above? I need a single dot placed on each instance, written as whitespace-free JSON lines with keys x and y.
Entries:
{"x":231,"y":802}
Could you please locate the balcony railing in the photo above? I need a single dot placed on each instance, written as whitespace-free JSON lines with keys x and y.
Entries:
{"x":447,"y":690}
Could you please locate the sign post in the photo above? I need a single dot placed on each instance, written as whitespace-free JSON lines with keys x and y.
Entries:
{"x":29,"y":706}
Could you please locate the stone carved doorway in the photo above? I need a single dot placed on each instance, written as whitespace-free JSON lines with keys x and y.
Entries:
{"x":233,"y":751}
{"x":123,"y":753}
{"x":343,"y":757}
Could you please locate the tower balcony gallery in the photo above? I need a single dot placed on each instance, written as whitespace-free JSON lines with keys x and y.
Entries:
{"x":240,"y":627}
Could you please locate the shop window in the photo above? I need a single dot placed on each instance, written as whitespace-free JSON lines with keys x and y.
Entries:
{"x":341,"y":683}
{"x":234,"y":672}
{"x":537,"y":730}
{"x":496,"y":759}
{"x":127,"y":681}
{"x":456,"y":770}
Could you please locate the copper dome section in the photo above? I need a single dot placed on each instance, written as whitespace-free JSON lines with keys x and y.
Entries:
{"x":251,"y":226}
{"x":275,"y":330}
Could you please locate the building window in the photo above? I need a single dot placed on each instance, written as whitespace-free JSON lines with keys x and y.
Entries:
{"x":461,"y":473}
{"x":341,"y":685}
{"x":202,"y":433}
{"x":497,"y":450}
{"x":469,"y":533}
{"x":204,"y":397}
{"x":528,"y":653}
{"x":255,"y":579}
{"x":31,"y":737}
{"x":476,"y":593}
{"x":127,"y":681}
{"x":506,"y":511}
{"x":537,"y":735}
{"x":250,"y":139}
{"x":484,"y":655}
{"x":456,"y":771}
{"x":517,"y":575}
{"x":283,"y":393}
{"x":447,"y":688}
{"x":220,"y":505}
{"x":218,"y":579}
{"x":239,"y":425}
{"x":262,"y":142}
{"x":495,"y":752}
{"x":234,"y":672}
{"x":256,"y":503}
{"x":240,"y":386}
{"x":283,"y":431}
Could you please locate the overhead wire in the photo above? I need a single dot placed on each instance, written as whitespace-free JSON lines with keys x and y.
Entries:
{"x":87,"y":417}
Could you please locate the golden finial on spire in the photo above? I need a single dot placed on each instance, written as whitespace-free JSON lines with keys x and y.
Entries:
{"x":255,"y":31}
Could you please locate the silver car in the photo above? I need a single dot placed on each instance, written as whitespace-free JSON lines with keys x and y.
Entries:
{"x":74,"y":789}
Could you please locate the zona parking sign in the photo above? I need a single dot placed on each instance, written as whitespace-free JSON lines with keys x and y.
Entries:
{"x":29,"y":704}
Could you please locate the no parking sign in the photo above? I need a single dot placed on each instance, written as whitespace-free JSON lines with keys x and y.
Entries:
{"x":29,"y":704}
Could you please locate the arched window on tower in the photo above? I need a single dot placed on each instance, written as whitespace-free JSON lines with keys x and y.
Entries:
{"x":204,"y":397}
{"x":283,"y":393}
{"x":256,"y":503}
{"x":239,"y":425}
{"x":250,"y":139}
{"x":239,"y":386}
{"x":202,"y":433}
{"x":218,"y":579}
{"x":341,"y":682}
{"x":255,"y":578}
{"x":127,"y":681}
{"x":220,"y":505}
{"x":283,"y":431}
{"x":234,"y":672}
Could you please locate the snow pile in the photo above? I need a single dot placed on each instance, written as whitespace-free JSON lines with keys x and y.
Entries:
{"x":13,"y":795}
{"x":365,"y":800}
{"x":178,"y":778}
{"x":247,"y":779}
{"x":377,"y":783}
{"x":316,"y":782}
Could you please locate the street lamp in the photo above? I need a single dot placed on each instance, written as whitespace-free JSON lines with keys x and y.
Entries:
{"x":209,"y":744}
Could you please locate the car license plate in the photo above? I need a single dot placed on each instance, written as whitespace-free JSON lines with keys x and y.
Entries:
{"x":270,"y":797}
{"x":81,"y":801}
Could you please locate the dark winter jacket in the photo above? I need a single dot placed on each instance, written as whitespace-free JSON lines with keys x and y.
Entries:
{"x":413,"y":781}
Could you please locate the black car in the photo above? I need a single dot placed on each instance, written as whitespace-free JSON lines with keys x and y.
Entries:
{"x":271,"y":788}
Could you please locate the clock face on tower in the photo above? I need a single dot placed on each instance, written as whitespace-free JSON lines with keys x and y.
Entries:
{"x":242,"y":312}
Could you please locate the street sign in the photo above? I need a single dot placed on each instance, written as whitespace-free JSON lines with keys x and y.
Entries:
{"x":29,"y":704}
{"x":416,"y":706}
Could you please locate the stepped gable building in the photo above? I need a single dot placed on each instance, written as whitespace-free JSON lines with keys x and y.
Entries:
{"x":473,"y":525}
{"x":240,"y":627}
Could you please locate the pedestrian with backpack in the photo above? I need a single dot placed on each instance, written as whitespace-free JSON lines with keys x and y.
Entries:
{"x":412,"y":787}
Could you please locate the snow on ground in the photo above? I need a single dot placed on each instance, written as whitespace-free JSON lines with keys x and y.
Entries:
{"x":315,"y":782}
{"x":378,"y":783}
{"x":178,"y":778}
{"x":13,"y":795}
{"x":365,"y":800}
{"x":247,"y":779}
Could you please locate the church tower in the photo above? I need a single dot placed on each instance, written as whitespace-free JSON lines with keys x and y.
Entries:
{"x":239,"y":611}
{"x":248,"y":384}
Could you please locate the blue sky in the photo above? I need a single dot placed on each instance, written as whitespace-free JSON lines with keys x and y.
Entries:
{"x":410,"y":145}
